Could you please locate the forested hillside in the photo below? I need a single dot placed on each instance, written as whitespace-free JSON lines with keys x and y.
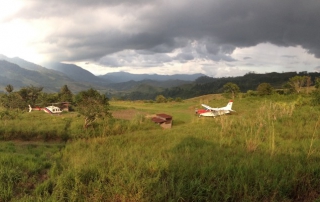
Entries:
{"x":209,"y":85}
{"x":120,"y":77}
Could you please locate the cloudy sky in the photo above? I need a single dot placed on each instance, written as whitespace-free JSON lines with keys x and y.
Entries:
{"x":215,"y":37}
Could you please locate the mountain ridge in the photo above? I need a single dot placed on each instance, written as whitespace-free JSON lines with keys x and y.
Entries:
{"x":54,"y":75}
{"x":18,"y":77}
{"x":27,"y":73}
{"x":76,"y":73}
{"x":120,"y":77}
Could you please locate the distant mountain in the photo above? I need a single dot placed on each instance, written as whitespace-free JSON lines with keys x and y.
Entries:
{"x":52,"y":77}
{"x":13,"y":74}
{"x":71,"y":71}
{"x":136,"y":85}
{"x":20,"y":73}
{"x":19,"y":77}
{"x":26,"y":65}
{"x":77,"y":73}
{"x":119,"y":77}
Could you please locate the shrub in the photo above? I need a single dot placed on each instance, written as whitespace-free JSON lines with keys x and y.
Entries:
{"x":265,"y":89}
{"x":251,"y":93}
{"x":161,"y":99}
{"x":315,"y":97}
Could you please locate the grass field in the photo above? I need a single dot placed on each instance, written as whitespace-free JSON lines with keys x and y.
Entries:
{"x":267,"y":151}
{"x":25,"y":165}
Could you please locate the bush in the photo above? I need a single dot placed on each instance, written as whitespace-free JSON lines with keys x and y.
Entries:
{"x":178,"y":99}
{"x":265,"y":89}
{"x":251,"y":93}
{"x":315,"y":97}
{"x":161,"y":99}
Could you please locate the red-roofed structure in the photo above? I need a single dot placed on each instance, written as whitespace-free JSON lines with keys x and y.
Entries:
{"x":164,"y":120}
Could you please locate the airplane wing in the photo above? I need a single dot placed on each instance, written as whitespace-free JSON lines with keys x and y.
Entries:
{"x":210,"y":108}
{"x":206,"y":106}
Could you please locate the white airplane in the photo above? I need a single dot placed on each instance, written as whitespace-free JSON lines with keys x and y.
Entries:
{"x":209,"y":111}
{"x":50,"y":109}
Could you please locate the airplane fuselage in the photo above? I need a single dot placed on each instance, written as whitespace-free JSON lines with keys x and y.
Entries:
{"x":52,"y":110}
{"x":49,"y":109}
{"x":214,"y":113}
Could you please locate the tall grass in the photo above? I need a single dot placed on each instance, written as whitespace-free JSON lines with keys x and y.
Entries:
{"x":38,"y":126}
{"x":267,"y":151}
{"x":256,"y":155}
{"x":23,"y":167}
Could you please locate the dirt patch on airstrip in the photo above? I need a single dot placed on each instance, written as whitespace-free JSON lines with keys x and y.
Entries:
{"x":127,"y":114}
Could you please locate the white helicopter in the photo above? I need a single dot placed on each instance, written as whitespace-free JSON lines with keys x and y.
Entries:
{"x":50,"y":109}
{"x":209,"y":111}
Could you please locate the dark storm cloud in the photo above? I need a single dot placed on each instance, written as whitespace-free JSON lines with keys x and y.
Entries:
{"x":110,"y":61}
{"x":182,"y":57}
{"x":163,"y":26}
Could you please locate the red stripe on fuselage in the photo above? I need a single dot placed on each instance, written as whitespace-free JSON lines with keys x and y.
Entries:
{"x":200,"y":111}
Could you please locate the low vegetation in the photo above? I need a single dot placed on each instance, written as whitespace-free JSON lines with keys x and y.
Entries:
{"x":267,"y":151}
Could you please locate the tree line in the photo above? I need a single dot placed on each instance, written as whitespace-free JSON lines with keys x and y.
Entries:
{"x":249,"y":82}
{"x":294,"y":85}
{"x":90,"y":103}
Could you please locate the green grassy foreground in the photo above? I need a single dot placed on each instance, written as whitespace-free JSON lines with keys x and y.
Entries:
{"x":267,"y":151}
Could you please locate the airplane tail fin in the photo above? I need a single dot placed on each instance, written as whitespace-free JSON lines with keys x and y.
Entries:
{"x":229,"y":105}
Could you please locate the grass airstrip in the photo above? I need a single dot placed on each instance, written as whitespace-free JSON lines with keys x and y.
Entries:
{"x":267,"y":151}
